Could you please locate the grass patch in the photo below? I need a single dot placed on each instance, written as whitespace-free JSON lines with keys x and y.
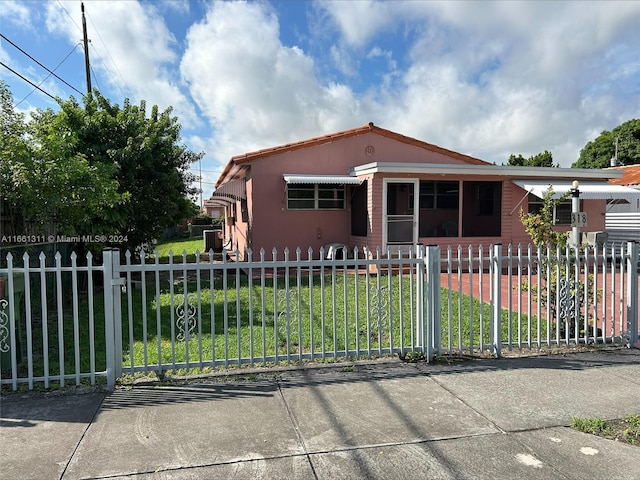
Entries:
{"x":189,"y":245}
{"x":631,"y":431}
{"x":625,"y":430}
{"x":594,"y":426}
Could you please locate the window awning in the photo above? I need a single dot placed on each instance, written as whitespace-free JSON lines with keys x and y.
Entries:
{"x":322,"y":179}
{"x":588,"y":190}
{"x":233,"y":191}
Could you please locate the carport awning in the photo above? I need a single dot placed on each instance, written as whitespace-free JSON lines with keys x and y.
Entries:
{"x":291,"y":179}
{"x":588,"y":190}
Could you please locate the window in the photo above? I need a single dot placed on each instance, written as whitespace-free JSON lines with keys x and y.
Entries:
{"x":307,"y":196}
{"x":485,"y":199}
{"x":437,"y":196}
{"x":439,"y":205}
{"x":359,"y":213}
{"x":561,"y":213}
{"x":481,"y":209}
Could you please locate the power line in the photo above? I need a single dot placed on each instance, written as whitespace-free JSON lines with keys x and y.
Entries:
{"x":50,"y":72}
{"x":206,"y":171}
{"x":95,"y":78}
{"x":28,"y":81}
{"x":110,"y":58}
{"x":45,"y":79}
{"x":65,"y":11}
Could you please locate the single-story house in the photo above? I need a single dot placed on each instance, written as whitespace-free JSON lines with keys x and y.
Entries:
{"x":371,"y":187}
{"x":622,"y":219}
{"x":212,"y":208}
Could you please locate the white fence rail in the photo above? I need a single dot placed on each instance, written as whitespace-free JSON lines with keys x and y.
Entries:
{"x":69,"y":324}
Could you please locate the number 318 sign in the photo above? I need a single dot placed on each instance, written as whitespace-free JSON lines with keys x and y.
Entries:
{"x":578,"y":219}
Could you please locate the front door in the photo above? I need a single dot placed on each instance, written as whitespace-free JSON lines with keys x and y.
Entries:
{"x":400,"y":216}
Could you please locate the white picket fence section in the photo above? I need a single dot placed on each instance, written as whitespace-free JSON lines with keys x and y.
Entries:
{"x":71,"y":324}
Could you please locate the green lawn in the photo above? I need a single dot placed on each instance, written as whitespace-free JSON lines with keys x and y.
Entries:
{"x":189,"y":245}
{"x":276,"y":329}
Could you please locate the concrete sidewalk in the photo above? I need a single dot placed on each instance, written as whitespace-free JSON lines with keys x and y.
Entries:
{"x":479,"y":419}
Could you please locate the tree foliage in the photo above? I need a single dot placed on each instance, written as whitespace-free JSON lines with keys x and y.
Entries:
{"x":539,"y":226}
{"x":598,"y":153}
{"x":46,"y":184}
{"x":151,"y":166}
{"x":544,"y":159}
{"x":94,"y":169}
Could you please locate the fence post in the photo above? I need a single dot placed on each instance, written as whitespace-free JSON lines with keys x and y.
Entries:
{"x":430,"y":303}
{"x":632,"y":291}
{"x":112,"y":315}
{"x":420,"y":302}
{"x":12,"y":339}
{"x":495,"y":269}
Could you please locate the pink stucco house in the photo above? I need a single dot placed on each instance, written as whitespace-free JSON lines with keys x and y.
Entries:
{"x":372,"y":187}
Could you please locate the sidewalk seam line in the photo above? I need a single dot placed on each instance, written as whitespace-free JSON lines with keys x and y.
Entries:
{"x":84,"y":433}
{"x":451,"y":392}
{"x":296,"y":428}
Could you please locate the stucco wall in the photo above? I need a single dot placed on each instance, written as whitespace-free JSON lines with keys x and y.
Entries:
{"x":271,"y":224}
{"x":276,"y":226}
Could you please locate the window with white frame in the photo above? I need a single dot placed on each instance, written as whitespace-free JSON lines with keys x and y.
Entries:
{"x":318,"y":196}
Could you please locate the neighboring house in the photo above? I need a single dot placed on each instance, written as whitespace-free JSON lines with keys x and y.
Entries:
{"x":372,"y":187}
{"x":213,"y":208}
{"x":622,"y":219}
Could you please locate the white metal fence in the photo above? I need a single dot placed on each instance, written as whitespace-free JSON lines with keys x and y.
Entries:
{"x":69,"y":324}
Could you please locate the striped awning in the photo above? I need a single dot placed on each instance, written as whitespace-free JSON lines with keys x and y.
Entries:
{"x":588,"y":190}
{"x":229,"y":192}
{"x":321,"y":179}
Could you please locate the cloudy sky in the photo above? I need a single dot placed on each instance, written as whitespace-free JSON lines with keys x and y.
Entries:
{"x":483,"y":78}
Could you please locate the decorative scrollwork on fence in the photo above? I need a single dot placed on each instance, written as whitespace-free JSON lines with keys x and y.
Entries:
{"x":569,"y":299}
{"x":287,"y":305}
{"x":4,"y":327}
{"x":186,"y":321}
{"x":379,"y":311}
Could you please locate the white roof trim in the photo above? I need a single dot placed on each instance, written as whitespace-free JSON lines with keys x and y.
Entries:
{"x":588,"y":190}
{"x":485,"y":170}
{"x":321,"y":179}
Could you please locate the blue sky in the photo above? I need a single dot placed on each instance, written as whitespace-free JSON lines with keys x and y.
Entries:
{"x":483,"y":78}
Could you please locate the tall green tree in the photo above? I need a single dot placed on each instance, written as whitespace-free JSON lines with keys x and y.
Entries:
{"x":598,"y":153}
{"x":14,"y":151}
{"x":46,"y":184}
{"x":544,"y":159}
{"x":150,"y":165}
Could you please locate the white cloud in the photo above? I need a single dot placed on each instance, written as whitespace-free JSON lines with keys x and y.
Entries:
{"x":133,"y":47}
{"x":360,"y":20}
{"x":484,"y":78}
{"x":494,"y":78}
{"x":255,"y":91}
{"x":15,"y":13}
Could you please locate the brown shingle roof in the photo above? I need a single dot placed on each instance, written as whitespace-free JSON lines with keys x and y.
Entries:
{"x":631,"y":175}
{"x":368,"y":128}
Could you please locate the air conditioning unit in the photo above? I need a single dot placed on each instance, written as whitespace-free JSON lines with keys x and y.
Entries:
{"x":595,"y":239}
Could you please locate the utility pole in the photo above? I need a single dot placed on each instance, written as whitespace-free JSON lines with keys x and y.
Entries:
{"x":201,"y":204}
{"x":86,"y":50}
